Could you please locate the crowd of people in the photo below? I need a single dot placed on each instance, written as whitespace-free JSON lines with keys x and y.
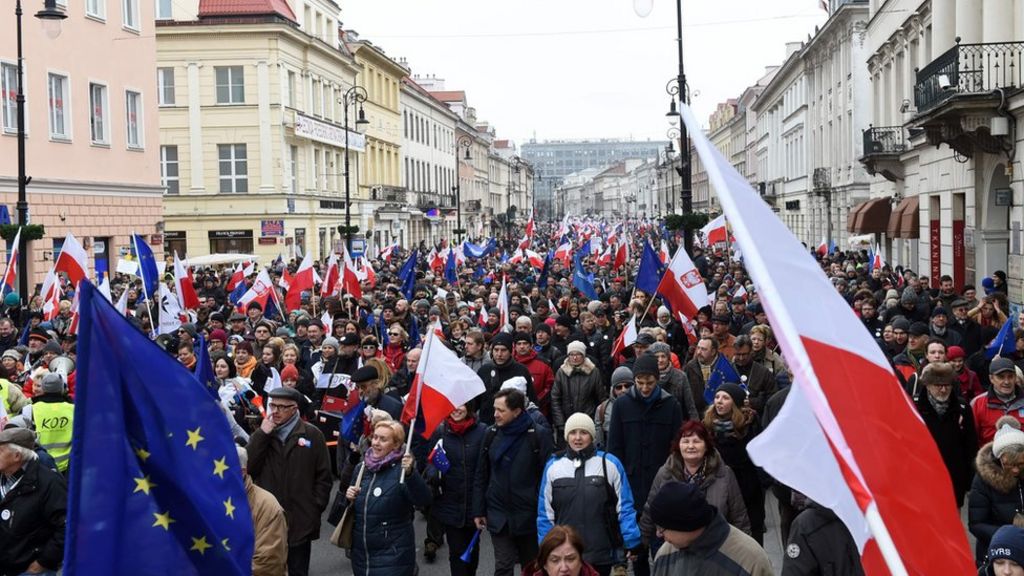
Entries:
{"x":582,"y":456}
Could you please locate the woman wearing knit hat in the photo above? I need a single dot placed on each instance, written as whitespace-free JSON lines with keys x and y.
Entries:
{"x":997,"y":492}
{"x":579,"y":387}
{"x":733,"y":426}
{"x":969,"y":383}
{"x":622,"y":379}
{"x":597,"y":502}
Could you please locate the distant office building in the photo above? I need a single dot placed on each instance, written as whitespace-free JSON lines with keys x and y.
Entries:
{"x":556,"y":159}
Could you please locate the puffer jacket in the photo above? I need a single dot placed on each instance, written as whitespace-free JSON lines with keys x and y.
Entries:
{"x":543,"y":379}
{"x":988,"y":409}
{"x":721,"y":550}
{"x":34,"y":529}
{"x":575,"y":493}
{"x":383,"y":538}
{"x":719,"y":487}
{"x":577,"y":389}
{"x":994,"y":499}
{"x":453,"y":507}
{"x":270,"y":549}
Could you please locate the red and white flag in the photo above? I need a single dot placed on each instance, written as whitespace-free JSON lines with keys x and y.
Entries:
{"x":385,"y":254}
{"x":187,"y":297}
{"x":848,"y":435}
{"x":72,"y":260}
{"x":626,"y":338}
{"x":822,"y":249}
{"x":877,"y":262}
{"x":122,"y":303}
{"x":51,"y":295}
{"x":443,"y":383}
{"x":349,"y":277}
{"x":663,"y":253}
{"x":302,"y":280}
{"x":605,"y":259}
{"x":529,"y":227}
{"x":682,"y":287}
{"x":741,"y":292}
{"x":262,"y":290}
{"x":535,"y":259}
{"x":365,"y":272}
{"x":483,"y":317}
{"x":503,"y":304}
{"x":331,"y":277}
{"x":714,"y":231}
{"x":10,"y":282}
{"x":525,"y":242}
{"x":621,"y":254}
{"x":564,"y":253}
{"x":691,"y":334}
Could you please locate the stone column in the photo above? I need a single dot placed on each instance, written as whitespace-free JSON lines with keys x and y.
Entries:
{"x":943,"y":26}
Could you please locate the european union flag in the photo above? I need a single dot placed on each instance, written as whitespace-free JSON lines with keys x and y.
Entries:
{"x":351,"y":423}
{"x":1004,"y":343}
{"x":648,"y":276}
{"x":439,"y":458}
{"x":414,"y":331}
{"x":583,"y":281}
{"x":408,"y":276}
{"x":204,"y":368}
{"x":450,"y":272}
{"x":147,"y":266}
{"x":240,"y":289}
{"x":156,"y":487}
{"x":721,"y":373}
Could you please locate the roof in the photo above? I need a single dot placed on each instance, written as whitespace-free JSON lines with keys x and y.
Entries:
{"x":245,"y":8}
{"x":501,"y":144}
{"x":450,"y":95}
{"x":415,"y":86}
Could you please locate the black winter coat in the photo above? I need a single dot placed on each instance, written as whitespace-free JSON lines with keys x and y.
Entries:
{"x":383,"y":538}
{"x":820,"y":544}
{"x":956,"y":438}
{"x":34,"y":529}
{"x":493,"y":377}
{"x":640,"y":435}
{"x":508,"y":496}
{"x":577,"y":389}
{"x":734,"y":453}
{"x":996,"y":496}
{"x":453,"y":506}
{"x":761,"y":384}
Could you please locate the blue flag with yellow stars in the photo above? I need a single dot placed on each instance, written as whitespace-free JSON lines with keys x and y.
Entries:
{"x":147,"y":267}
{"x":155,"y":486}
{"x":204,"y":368}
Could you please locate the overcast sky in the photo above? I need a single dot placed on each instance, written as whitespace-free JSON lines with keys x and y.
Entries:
{"x":583,"y":68}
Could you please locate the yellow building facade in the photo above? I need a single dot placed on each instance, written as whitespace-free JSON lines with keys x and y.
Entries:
{"x":251,"y":131}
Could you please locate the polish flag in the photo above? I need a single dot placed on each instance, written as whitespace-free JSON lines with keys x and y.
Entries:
{"x":483,"y":317}
{"x":349,"y":276}
{"x":714,"y":231}
{"x":385,"y":254}
{"x":11,"y":274}
{"x":187,"y":297}
{"x":595,"y":245}
{"x":242,"y":271}
{"x":365,"y":272}
{"x":443,"y":383}
{"x":73,"y":324}
{"x":331,"y":277}
{"x":876,"y":262}
{"x":525,"y":242}
{"x":606,"y":257}
{"x":73,"y":260}
{"x":535,"y":259}
{"x":262,"y":290}
{"x":564,"y":253}
{"x":847,"y":436}
{"x":503,"y":304}
{"x":626,"y":338}
{"x":822,"y":249}
{"x":529,"y":227}
{"x":285,"y":281}
{"x":682,"y":287}
{"x":663,"y":253}
{"x":51,"y":295}
{"x":434,"y":260}
{"x":302,"y":280}
{"x":621,"y":255}
{"x":691,"y":335}
{"x":740,"y":293}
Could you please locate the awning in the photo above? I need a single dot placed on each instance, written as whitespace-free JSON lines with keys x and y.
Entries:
{"x":851,"y":217}
{"x":872,"y":217}
{"x":905,"y":222}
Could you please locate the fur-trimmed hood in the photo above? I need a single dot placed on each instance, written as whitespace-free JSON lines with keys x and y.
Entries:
{"x":992,"y":472}
{"x":587,"y":367}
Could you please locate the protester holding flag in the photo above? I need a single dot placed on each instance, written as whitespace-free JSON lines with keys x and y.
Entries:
{"x":383,"y":538}
{"x":452,"y":464}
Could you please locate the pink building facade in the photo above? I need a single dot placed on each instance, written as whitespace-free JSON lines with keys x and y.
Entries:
{"x":92,"y":149}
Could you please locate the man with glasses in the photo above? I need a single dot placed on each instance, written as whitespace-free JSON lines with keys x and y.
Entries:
{"x":951,"y":424}
{"x":759,"y":381}
{"x":1004,"y":398}
{"x":869,"y":317}
{"x":288,"y":457}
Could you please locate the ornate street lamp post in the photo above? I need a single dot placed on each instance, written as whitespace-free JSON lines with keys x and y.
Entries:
{"x":354,"y":96}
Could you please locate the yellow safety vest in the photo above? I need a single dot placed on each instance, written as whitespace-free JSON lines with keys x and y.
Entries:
{"x":53,"y":422}
{"x":5,"y":393}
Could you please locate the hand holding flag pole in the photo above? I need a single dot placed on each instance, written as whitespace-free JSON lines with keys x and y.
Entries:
{"x":418,"y":384}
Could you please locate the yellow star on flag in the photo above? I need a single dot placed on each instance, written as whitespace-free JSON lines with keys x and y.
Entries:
{"x":224,"y":543}
{"x":163,"y":520}
{"x":143,"y":484}
{"x":200,"y":545}
{"x":219,"y":466}
{"x":194,"y":438}
{"x":142,"y":454}
{"x":229,"y":508}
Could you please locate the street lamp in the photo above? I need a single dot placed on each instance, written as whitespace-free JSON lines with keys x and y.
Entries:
{"x":514,"y":163}
{"x":51,"y":17}
{"x":677,"y":87}
{"x":673,"y":133}
{"x":354,"y":96}
{"x":463,"y":142}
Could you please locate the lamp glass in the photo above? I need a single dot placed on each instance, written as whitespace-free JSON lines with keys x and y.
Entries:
{"x":51,"y":27}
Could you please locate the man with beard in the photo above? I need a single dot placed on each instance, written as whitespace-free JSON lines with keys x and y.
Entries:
{"x":869,"y":317}
{"x":759,"y":381}
{"x":939,"y":328}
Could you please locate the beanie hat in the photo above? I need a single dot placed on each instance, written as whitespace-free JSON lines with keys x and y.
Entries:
{"x":38,"y":333}
{"x":737,"y":393}
{"x":12,"y":299}
{"x":892,"y":294}
{"x":646,"y":364}
{"x":516,"y":383}
{"x":1008,"y":434}
{"x":1008,"y":543}
{"x":564,"y":320}
{"x":219,"y":335}
{"x":954,"y":352}
{"x":659,"y":348}
{"x":918,"y":329}
{"x":331,"y":342}
{"x":939,"y":311}
{"x":289,"y":372}
{"x":502,"y":339}
{"x":680,"y":506}
{"x":901,"y":323}
{"x":52,"y":347}
{"x":576,"y":346}
{"x":622,"y":374}
{"x":908,"y":297}
{"x":11,"y":353}
{"x":52,"y":384}
{"x":580,"y":421}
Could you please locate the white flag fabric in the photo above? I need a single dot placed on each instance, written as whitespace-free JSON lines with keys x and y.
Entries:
{"x":170,"y":311}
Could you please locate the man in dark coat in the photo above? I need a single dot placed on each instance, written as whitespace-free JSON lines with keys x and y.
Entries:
{"x":507,"y":484}
{"x":819,"y":543}
{"x":644,"y":421}
{"x":970,"y":331}
{"x":951,"y":423}
{"x":289,"y":459}
{"x":502,"y":367}
{"x":759,"y":381}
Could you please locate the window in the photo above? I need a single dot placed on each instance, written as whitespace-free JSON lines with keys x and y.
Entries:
{"x":230,"y":84}
{"x":60,"y":107}
{"x":291,"y":89}
{"x":165,"y":86}
{"x":9,"y":93}
{"x":316,"y":169}
{"x":98,"y":114}
{"x":169,"y":169}
{"x":294,"y":165}
{"x":234,"y":168}
{"x":130,"y":14}
{"x":163,"y":10}
{"x":96,"y":9}
{"x":133,"y":118}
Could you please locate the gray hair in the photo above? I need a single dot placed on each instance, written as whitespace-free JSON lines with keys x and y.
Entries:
{"x":243,"y":457}
{"x":26,"y":454}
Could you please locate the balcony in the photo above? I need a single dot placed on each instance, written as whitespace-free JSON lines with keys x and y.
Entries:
{"x":471,"y":205}
{"x":961,"y":96}
{"x":883,"y":146}
{"x":822,"y":180}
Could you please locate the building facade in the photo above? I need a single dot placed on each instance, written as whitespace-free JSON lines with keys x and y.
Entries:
{"x":92,"y":144}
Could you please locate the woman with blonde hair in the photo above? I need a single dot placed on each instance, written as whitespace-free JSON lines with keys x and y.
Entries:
{"x":394,"y":351}
{"x":761,"y":340}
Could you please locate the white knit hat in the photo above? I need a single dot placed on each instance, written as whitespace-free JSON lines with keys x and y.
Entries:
{"x":576,"y":346}
{"x":516,"y":383}
{"x":1008,"y":433}
{"x":580,"y":421}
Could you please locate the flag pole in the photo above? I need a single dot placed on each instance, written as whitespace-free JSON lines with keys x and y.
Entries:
{"x":145,"y":292}
{"x":419,"y":395}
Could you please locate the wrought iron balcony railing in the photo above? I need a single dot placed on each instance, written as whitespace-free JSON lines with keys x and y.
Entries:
{"x":884,"y":140}
{"x":969,"y":69}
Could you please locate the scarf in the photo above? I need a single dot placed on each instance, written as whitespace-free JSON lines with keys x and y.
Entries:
{"x":511,"y":434}
{"x":724,"y":427}
{"x":282,"y":431}
{"x":460,"y":427}
{"x":697,"y":478}
{"x":374,"y":464}
{"x":940,"y":406}
{"x":245,"y":370}
{"x":581,"y":456}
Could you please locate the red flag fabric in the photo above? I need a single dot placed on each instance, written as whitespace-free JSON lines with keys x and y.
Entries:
{"x":442,"y":384}
{"x":186,"y":291}
{"x":682,"y":287}
{"x":349,"y":277}
{"x":72,"y":260}
{"x":302,"y":280}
